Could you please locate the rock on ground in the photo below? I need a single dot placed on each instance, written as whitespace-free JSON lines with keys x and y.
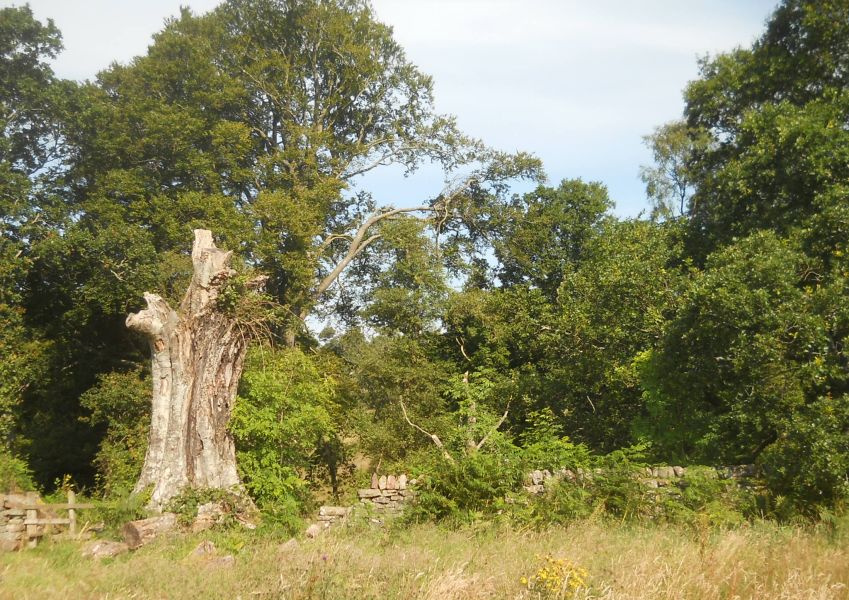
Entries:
{"x":104,"y":549}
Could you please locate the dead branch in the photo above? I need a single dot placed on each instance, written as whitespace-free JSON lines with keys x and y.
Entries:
{"x":495,"y":428}
{"x":360,"y":242}
{"x":463,"y":350}
{"x":432,"y":436}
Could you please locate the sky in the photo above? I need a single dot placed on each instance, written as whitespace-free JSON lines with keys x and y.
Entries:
{"x":577,"y":83}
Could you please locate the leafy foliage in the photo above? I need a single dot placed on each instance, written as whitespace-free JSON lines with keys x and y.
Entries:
{"x":14,"y":474}
{"x":285,"y":421}
{"x":523,"y":331}
{"x":473,"y":486}
{"x":120,"y":403}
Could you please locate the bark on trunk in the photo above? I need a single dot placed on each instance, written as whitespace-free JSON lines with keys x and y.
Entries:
{"x":198,"y":354}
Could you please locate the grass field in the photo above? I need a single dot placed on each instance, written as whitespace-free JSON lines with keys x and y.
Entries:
{"x":758,"y":561}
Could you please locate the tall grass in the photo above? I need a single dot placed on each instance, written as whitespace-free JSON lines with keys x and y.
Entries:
{"x":760,"y":561}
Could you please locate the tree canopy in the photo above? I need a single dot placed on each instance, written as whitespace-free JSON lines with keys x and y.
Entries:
{"x":503,"y":324}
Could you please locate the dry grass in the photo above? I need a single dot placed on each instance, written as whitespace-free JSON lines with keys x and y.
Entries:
{"x":763,"y":561}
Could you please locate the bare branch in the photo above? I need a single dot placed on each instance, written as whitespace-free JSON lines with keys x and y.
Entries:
{"x":432,"y":436}
{"x":325,"y":244}
{"x":463,"y":351}
{"x":360,"y":242}
{"x":494,"y":429}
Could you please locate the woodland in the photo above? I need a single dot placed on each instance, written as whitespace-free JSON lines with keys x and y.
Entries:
{"x":466,"y":338}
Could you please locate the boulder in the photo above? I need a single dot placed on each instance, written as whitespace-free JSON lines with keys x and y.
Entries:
{"x":313,"y":530}
{"x":104,"y":549}
{"x":203,"y":550}
{"x":665,"y":473}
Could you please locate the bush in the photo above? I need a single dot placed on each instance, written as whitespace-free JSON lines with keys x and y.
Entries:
{"x":15,"y":475}
{"x":283,"y":424}
{"x":702,"y":498}
{"x":186,"y":504}
{"x":545,"y":448}
{"x":808,"y":466}
{"x":472,"y":487}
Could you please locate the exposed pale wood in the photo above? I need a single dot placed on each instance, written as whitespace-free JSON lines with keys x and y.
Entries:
{"x":197,"y":355}
{"x":32,"y":527}
{"x":495,"y":428}
{"x":432,"y":436}
{"x":72,"y":513}
{"x":138,"y":533}
{"x":359,"y":243}
{"x":76,"y":505}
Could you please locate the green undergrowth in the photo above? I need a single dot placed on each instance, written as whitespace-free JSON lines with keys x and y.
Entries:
{"x":615,"y":487}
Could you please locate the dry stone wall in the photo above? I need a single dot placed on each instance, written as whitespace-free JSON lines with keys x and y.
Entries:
{"x":653,"y":477}
{"x":387,"y":492}
{"x":13,"y":528}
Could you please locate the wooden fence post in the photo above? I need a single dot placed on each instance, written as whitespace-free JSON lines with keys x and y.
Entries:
{"x":32,"y":521}
{"x":72,"y":513}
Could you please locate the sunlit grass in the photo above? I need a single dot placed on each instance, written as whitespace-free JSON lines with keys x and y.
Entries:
{"x":760,"y":561}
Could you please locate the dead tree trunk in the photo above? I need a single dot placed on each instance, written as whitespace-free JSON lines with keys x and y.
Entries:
{"x":198,"y":354}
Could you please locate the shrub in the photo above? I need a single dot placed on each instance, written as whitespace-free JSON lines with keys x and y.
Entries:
{"x":283,"y":424}
{"x":545,"y":448}
{"x":702,"y":498}
{"x":14,"y":474}
{"x":186,"y":504}
{"x":809,"y":464}
{"x":472,"y":487}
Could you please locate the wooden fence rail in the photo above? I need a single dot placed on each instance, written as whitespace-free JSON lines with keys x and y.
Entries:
{"x":35,"y":525}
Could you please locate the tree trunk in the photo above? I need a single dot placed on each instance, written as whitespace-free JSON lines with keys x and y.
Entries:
{"x":198,"y":354}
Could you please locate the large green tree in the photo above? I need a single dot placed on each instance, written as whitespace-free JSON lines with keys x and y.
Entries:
{"x":775,"y":115}
{"x":32,"y":150}
{"x":254,"y":121}
{"x":753,"y":364}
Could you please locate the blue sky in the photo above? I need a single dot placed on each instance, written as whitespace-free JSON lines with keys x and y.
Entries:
{"x":578,"y":83}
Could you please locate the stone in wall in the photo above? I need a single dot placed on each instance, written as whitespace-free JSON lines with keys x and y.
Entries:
{"x":13,"y":529}
{"x":653,"y":477}
{"x":332,"y":514}
{"x":387,"y":492}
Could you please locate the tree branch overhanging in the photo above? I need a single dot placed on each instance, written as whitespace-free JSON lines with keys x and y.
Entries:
{"x":360,"y":242}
